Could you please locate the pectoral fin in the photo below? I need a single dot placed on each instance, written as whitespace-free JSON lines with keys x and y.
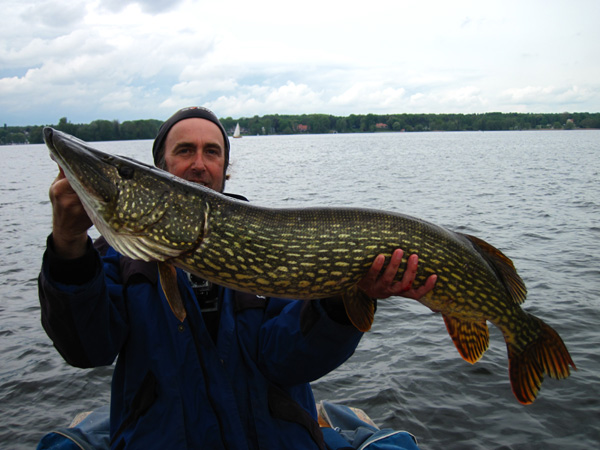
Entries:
{"x":360,"y":309}
{"x":168,"y":281}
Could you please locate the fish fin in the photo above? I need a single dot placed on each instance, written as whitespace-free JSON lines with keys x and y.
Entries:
{"x":547,"y":354}
{"x":503,"y":267}
{"x":360,"y":308}
{"x":471,"y":339}
{"x":168,"y":281}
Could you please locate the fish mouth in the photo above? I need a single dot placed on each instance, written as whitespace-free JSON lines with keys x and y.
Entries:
{"x":81,"y":163}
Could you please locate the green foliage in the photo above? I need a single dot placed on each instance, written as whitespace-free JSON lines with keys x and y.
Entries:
{"x":106,"y":130}
{"x":493,"y":121}
{"x":98,"y":130}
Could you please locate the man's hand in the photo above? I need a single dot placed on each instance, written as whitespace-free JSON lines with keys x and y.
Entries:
{"x":70,"y":222}
{"x":381,"y":285}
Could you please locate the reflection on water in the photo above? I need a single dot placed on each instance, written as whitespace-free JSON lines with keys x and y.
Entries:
{"x":535,"y":195}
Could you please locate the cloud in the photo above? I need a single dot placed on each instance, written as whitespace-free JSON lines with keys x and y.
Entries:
{"x":59,"y":14}
{"x":293,"y":96}
{"x":128,"y":59}
{"x":449,"y":100}
{"x":528,"y":93}
{"x":148,"y":6}
{"x":470,"y":97}
{"x":99,"y":70}
{"x":548,"y":95}
{"x":373,"y":95}
{"x":290,"y":98}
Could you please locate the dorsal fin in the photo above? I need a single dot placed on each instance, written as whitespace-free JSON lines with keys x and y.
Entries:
{"x":503,"y":267}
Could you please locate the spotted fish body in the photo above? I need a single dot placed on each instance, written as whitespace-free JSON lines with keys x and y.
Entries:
{"x":146,"y":213}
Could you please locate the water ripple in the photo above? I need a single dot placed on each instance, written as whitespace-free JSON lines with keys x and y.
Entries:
{"x":534,"y":195}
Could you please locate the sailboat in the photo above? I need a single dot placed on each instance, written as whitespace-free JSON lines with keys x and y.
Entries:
{"x":236,"y":133}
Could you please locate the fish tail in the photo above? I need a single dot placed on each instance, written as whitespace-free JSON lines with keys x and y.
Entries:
{"x":547,"y":354}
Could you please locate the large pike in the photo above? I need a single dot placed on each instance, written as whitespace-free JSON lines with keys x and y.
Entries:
{"x":148,"y":214}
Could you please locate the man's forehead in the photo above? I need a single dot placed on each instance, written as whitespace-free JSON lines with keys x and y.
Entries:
{"x":193,"y":128}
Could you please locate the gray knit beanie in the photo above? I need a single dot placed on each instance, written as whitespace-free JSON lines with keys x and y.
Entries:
{"x":186,"y":113}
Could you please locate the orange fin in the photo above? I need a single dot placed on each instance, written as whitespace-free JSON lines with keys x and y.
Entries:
{"x":168,"y":281}
{"x":546,"y":355}
{"x":471,"y":339}
{"x":503,"y":267}
{"x":359,"y":308}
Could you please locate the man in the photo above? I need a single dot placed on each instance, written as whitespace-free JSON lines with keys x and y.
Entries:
{"x":235,"y":372}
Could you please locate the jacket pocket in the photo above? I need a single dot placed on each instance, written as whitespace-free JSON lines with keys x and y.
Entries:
{"x":282,"y":406}
{"x":141,"y":403}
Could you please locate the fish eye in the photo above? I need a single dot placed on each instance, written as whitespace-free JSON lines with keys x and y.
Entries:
{"x":126,"y":172}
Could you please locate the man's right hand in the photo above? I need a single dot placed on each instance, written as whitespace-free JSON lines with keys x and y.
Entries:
{"x":70,"y":222}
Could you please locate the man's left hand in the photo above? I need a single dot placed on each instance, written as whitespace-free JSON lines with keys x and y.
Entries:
{"x":382,"y":285}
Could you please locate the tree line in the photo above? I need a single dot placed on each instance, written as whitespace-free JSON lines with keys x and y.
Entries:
{"x":98,"y":130}
{"x":271,"y":124}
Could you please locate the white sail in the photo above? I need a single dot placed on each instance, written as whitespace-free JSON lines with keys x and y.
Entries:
{"x":236,"y":133}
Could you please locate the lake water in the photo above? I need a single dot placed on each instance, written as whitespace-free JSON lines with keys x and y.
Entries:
{"x":534,"y":195}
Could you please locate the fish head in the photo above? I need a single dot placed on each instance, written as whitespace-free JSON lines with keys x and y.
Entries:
{"x":92,"y":174}
{"x":130,"y":203}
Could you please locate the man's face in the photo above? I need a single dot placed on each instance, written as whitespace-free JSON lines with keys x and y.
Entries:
{"x":195,"y":151}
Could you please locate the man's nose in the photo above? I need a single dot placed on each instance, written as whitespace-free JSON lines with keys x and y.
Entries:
{"x":198,"y":162}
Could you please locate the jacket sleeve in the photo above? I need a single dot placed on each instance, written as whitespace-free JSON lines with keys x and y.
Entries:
{"x":82,"y":308}
{"x":300,"y":342}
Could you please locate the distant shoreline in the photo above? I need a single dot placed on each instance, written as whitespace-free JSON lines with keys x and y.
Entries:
{"x":276,"y":124}
{"x":358,"y":132}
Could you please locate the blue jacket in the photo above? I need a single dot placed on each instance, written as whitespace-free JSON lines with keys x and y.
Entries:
{"x":173,"y":386}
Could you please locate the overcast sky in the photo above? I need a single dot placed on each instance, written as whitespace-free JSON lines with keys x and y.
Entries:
{"x":142,"y":59}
